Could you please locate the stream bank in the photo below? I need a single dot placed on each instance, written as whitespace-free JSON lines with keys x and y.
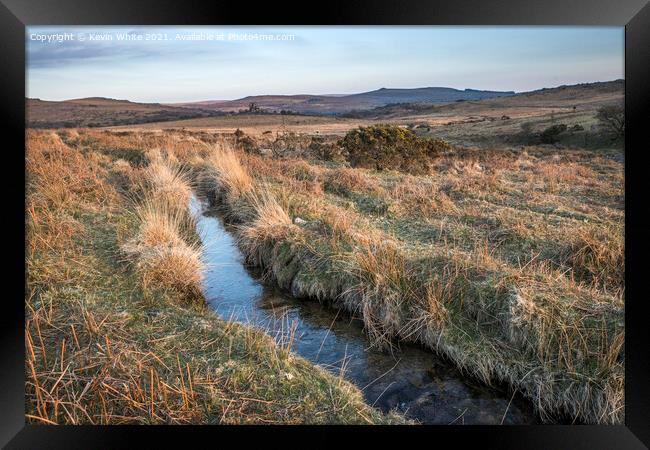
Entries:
{"x":411,"y":380}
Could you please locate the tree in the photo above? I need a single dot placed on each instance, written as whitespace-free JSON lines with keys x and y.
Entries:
{"x":612,"y":118}
{"x":253,"y":107}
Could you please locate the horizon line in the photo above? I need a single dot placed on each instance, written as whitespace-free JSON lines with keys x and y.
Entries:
{"x":323,"y":95}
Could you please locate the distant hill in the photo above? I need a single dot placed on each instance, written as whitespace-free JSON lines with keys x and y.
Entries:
{"x":428,"y":94}
{"x":379,"y":104}
{"x":585,"y":95}
{"x":100,"y":111}
{"x":337,"y":104}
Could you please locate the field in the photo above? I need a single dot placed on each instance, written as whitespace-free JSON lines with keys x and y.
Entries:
{"x":259,"y":125}
{"x":116,"y":331}
{"x":102,"y":112}
{"x":490,"y":232}
{"x":503,"y":121}
{"x":510,"y":263}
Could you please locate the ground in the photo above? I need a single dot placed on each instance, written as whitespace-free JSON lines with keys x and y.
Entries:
{"x":103,"y":347}
{"x":504,"y":255}
{"x":509,"y":263}
{"x":508,"y":121}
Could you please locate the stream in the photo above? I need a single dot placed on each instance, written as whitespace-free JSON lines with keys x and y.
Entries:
{"x":412,"y":380}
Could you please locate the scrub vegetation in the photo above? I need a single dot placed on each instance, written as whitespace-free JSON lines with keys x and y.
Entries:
{"x":509,"y":262}
{"x":116,"y":330}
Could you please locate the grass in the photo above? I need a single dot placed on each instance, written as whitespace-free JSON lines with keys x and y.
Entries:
{"x":166,"y":181}
{"x":233,"y":178}
{"x":107,"y":342}
{"x":508,"y":262}
{"x":164,"y":250}
{"x":161,"y":254}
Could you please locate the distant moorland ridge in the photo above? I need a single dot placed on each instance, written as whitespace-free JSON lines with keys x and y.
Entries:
{"x":100,"y":111}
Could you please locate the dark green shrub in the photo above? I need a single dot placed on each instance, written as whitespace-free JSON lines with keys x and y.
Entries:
{"x":391,"y":147}
{"x":551,"y":135}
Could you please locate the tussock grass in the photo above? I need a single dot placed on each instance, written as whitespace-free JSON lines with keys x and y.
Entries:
{"x":167,"y":181}
{"x":303,"y":171}
{"x":176,"y":267}
{"x":597,"y":255}
{"x":102,"y":347}
{"x":381,"y":286}
{"x":345,"y":181}
{"x":466,"y":262}
{"x":414,"y":197}
{"x":272,"y":223}
{"x":507,"y":262}
{"x":339,"y":225}
{"x":160,"y":224}
{"x":229,"y":173}
{"x":164,"y":255}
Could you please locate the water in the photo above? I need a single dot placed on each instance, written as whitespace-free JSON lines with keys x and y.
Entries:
{"x":412,"y":380}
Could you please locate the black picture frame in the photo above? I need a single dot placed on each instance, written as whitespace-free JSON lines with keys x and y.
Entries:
{"x":633,"y":14}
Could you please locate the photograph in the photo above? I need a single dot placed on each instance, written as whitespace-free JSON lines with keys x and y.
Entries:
{"x":325,"y":225}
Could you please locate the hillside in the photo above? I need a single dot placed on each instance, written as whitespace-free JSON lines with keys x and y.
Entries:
{"x":584,"y":96}
{"x":337,"y":104}
{"x":435,"y":106}
{"x":99,"y":112}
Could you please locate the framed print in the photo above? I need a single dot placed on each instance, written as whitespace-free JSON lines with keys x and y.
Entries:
{"x":420,"y":217}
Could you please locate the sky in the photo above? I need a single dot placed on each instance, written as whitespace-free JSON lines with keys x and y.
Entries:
{"x":184,"y":64}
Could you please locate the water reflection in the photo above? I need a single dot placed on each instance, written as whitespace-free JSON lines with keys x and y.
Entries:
{"x":412,"y":379}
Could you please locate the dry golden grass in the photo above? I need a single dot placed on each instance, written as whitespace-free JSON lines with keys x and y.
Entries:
{"x":160,"y":225}
{"x":303,"y":171}
{"x":345,"y":181}
{"x":380,"y":277}
{"x":338,"y":224}
{"x":412,"y":196}
{"x":101,"y":348}
{"x":163,"y":257}
{"x":167,"y":181}
{"x":481,"y":262}
{"x":597,"y":254}
{"x":231,"y":176}
{"x":272,"y":221}
{"x":177,"y":268}
{"x":508,"y":262}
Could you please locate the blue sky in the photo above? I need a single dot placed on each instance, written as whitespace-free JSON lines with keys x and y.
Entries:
{"x":314,"y":60}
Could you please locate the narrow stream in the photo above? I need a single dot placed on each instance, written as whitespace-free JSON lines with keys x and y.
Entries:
{"x":412,"y":380}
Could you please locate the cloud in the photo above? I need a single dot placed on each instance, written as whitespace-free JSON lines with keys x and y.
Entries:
{"x":319,"y":59}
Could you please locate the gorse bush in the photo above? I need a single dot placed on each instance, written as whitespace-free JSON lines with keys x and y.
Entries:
{"x":391,"y":147}
{"x":551,"y":135}
{"x":328,"y":151}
